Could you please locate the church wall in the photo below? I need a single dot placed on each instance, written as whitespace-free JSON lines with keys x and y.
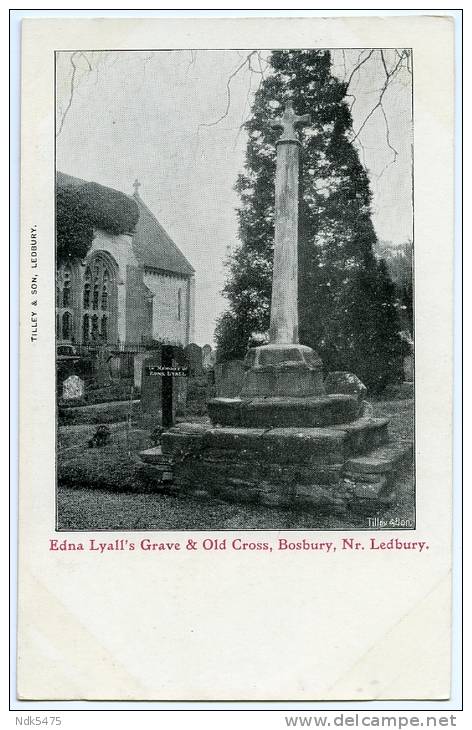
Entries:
{"x":191,"y":310}
{"x":120,"y":247}
{"x":138,"y":307}
{"x":166,"y":322}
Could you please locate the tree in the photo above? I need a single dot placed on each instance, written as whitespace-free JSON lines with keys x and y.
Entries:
{"x":74,"y":229}
{"x":399,"y":261}
{"x":346,"y":299}
{"x":81,"y":208}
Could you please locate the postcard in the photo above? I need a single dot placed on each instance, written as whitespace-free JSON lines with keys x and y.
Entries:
{"x":236,"y":359}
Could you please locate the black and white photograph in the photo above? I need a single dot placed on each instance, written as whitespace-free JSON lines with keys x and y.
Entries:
{"x":234,"y":289}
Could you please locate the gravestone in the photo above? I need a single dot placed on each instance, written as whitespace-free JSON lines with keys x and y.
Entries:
{"x":151,"y":386}
{"x":209,"y":358}
{"x":161,"y":390}
{"x":193,"y":353}
{"x":73,"y":388}
{"x":101,"y":368}
{"x":408,"y":369}
{"x":138,"y":367}
{"x":114,"y":365}
{"x":229,"y":378}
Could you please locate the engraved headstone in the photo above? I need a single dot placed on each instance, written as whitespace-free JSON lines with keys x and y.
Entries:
{"x":73,"y":388}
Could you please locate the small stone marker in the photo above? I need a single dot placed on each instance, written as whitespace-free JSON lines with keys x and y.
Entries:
{"x":229,"y":378}
{"x":408,"y":369}
{"x":193,"y":353}
{"x":114,"y":364}
{"x":73,"y":388}
{"x":346,"y":383}
{"x":151,"y":387}
{"x":138,"y":367}
{"x":209,"y":358}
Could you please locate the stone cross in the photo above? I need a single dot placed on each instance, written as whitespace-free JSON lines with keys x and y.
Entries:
{"x":136,"y":186}
{"x":284,"y":304}
{"x":287,"y":122}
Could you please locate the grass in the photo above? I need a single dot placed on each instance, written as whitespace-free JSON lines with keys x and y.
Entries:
{"x":100,"y":489}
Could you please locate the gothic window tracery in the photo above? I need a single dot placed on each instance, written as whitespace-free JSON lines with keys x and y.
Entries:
{"x":65,"y":302}
{"x":66,"y":326}
{"x":99,"y":291}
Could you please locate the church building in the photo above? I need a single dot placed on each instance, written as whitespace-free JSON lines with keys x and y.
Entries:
{"x":132,"y":287}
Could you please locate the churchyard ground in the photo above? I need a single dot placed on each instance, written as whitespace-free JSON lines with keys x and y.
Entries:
{"x":100,"y":488}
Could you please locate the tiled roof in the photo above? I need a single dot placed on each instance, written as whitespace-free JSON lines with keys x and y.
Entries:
{"x":152,"y":245}
{"x":62,"y":180}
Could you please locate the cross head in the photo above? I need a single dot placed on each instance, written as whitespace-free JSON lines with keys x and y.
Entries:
{"x":287,"y":123}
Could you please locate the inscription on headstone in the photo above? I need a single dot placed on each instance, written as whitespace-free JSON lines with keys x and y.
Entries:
{"x":162,"y":385}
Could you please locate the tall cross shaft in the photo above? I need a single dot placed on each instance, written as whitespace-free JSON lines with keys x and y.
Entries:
{"x":284,"y":305}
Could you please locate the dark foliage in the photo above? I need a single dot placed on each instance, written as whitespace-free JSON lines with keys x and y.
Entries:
{"x":80,"y":209}
{"x":346,"y":300}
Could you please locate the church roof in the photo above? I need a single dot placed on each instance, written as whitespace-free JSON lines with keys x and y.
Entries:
{"x":152,"y":245}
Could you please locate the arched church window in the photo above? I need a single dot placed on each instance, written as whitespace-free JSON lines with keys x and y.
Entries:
{"x":99,"y":299}
{"x":86,"y":328}
{"x":87,"y":296}
{"x":66,"y":287}
{"x":66,"y":326}
{"x":95,"y":327}
{"x":104,"y":328}
{"x":179,"y":304}
{"x":104,"y":297}
{"x":66,"y":294}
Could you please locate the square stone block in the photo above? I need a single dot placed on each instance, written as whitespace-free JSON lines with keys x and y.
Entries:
{"x":275,"y":412}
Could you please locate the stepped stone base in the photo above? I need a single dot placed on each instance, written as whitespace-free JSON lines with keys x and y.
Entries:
{"x":311,"y":468}
{"x":259,"y":412}
{"x":332,"y":468}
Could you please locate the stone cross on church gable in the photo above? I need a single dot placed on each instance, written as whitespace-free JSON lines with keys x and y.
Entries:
{"x":136,"y":186}
{"x":287,"y":122}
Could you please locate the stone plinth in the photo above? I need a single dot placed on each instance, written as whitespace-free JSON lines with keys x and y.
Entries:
{"x":282,"y":466}
{"x":288,"y":445}
{"x":282,"y":370}
{"x":314,"y":411}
